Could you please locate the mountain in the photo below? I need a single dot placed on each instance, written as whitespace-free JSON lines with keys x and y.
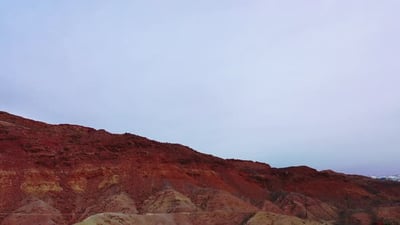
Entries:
{"x":69,"y":174}
{"x":392,"y":178}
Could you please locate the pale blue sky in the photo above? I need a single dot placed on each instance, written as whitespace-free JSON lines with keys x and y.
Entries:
{"x":284,"y":82}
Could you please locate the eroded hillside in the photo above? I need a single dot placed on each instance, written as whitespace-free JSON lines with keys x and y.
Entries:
{"x":66,"y":174}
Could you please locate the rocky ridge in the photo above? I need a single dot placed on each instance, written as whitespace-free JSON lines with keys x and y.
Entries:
{"x":69,"y":174}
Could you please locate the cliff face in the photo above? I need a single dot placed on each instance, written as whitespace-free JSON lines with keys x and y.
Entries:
{"x":64,"y":174}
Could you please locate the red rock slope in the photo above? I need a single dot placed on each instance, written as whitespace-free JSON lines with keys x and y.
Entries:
{"x":62,"y":174}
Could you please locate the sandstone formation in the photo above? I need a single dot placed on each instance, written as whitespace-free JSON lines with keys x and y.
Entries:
{"x":264,"y":218}
{"x":34,"y":211}
{"x":260,"y":218}
{"x":305,"y":207}
{"x":168,"y":201}
{"x":69,"y":174}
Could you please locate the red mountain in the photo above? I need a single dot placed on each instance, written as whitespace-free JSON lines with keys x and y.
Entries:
{"x":66,"y":174}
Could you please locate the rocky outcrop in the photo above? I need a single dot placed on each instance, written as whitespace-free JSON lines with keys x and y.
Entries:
{"x":128,"y":219}
{"x":119,"y":203}
{"x":217,"y":200}
{"x":168,"y":201}
{"x":34,"y":211}
{"x":305,"y":207}
{"x":265,"y":218}
{"x":221,"y":218}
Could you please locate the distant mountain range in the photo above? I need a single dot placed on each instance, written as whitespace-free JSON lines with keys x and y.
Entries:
{"x":392,"y":177}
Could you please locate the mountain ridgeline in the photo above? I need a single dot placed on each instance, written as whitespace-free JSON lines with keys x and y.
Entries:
{"x":69,"y":174}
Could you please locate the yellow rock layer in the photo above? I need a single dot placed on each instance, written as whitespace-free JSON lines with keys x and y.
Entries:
{"x":78,"y":184}
{"x":40,"y":181}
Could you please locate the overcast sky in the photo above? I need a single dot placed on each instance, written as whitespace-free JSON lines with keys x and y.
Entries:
{"x":306,"y":82}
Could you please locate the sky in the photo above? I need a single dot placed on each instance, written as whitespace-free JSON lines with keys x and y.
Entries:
{"x":283,"y":82}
